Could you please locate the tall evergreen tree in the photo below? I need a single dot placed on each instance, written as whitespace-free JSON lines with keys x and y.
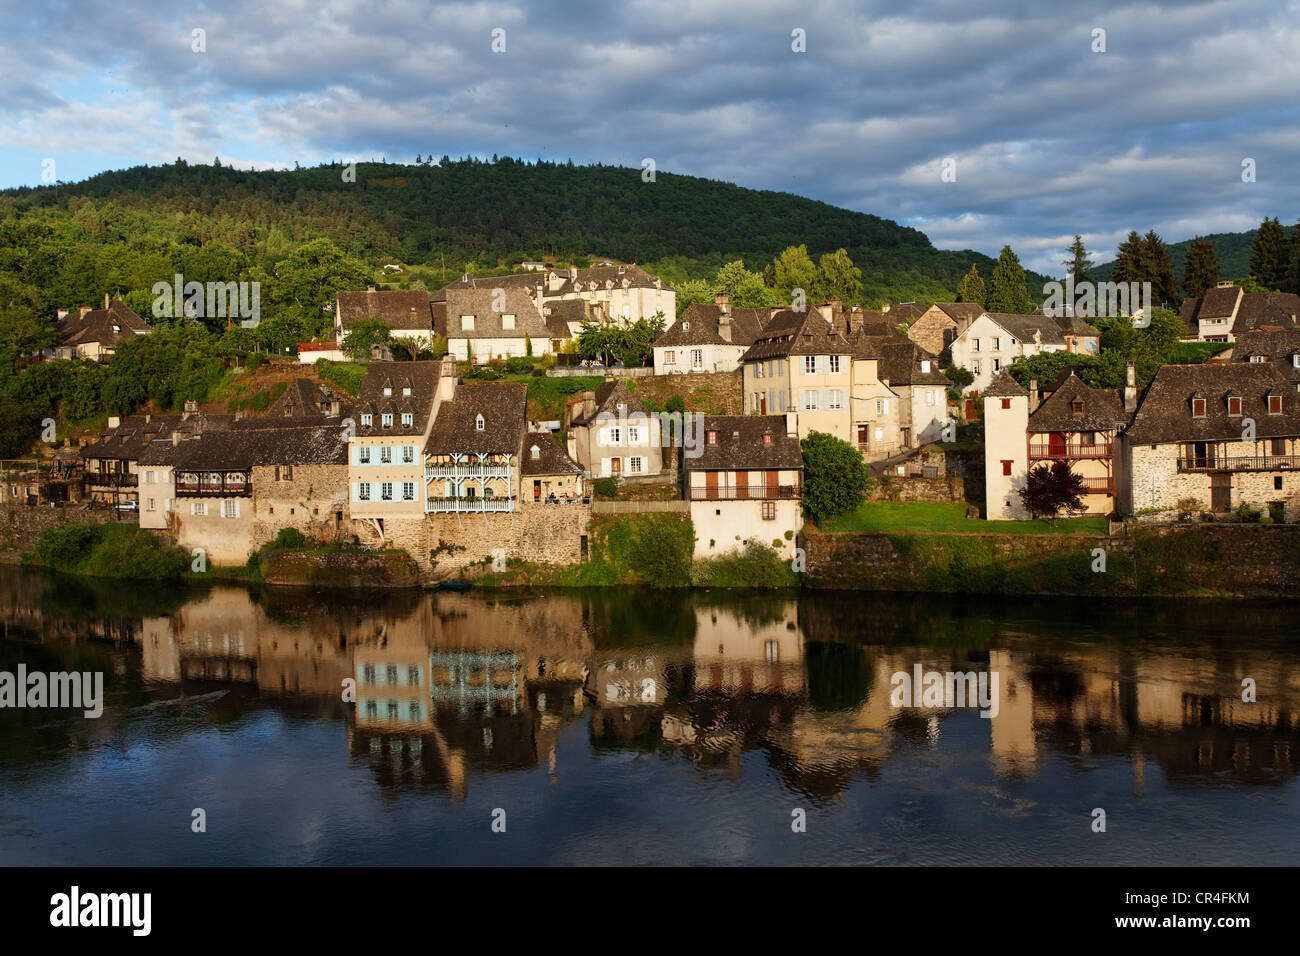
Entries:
{"x":1201,"y":268}
{"x":1078,"y":264}
{"x":1007,"y":291}
{"x":1291,"y":252}
{"x":1128,"y":260}
{"x":972,"y":288}
{"x":1266,"y":262}
{"x":1160,"y":271}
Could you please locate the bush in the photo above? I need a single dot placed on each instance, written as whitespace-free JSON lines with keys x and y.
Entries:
{"x":254,"y":361}
{"x":662,"y":546}
{"x":519,"y":365}
{"x":604,"y":487}
{"x":110,"y":550}
{"x":1188,"y":506}
{"x":1248,"y":515}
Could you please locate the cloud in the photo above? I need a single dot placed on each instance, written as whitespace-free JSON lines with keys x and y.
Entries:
{"x":1050,"y":138}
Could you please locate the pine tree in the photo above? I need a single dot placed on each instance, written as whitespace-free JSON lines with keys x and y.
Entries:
{"x":1127,"y":266}
{"x":972,"y":287}
{"x":1007,"y":291}
{"x":1201,"y":268}
{"x":1290,"y":281}
{"x":1160,"y":271}
{"x":1078,"y":264}
{"x":1266,"y":263}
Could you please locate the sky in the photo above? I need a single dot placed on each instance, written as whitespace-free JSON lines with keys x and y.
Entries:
{"x":979,"y":123}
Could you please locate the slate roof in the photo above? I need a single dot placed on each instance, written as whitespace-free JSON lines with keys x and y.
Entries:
{"x":1004,"y":386}
{"x":242,"y":448}
{"x":503,"y":406}
{"x":403,"y":309}
{"x":105,"y":326}
{"x":1164,"y":413}
{"x":797,"y":333}
{"x":608,"y":397}
{"x":898,"y":360}
{"x":741,"y":445}
{"x":487,"y":322}
{"x":1254,"y":309}
{"x":551,"y":458}
{"x":1279,"y":347}
{"x":1022,"y":327}
{"x":905,"y":312}
{"x":698,"y":325}
{"x":303,"y":398}
{"x":1103,"y":408}
{"x":421,"y":377}
{"x":960,"y":312}
{"x":1074,"y":325}
{"x":568,"y":284}
{"x":135,"y":436}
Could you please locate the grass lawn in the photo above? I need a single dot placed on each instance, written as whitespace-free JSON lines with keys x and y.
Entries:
{"x":951,"y":516}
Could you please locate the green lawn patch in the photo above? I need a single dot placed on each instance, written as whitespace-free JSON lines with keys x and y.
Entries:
{"x":951,"y":517}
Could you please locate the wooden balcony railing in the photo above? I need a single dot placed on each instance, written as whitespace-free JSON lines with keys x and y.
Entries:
{"x":110,"y":479}
{"x":1043,"y":450}
{"x":750,"y":493}
{"x":1241,"y":463}
{"x":1098,"y":486}
{"x":468,"y":505}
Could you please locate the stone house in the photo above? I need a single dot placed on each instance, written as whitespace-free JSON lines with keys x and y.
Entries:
{"x":95,"y":333}
{"x":1078,"y":424}
{"x":1006,"y":422}
{"x":1219,"y":433}
{"x":746,"y":483}
{"x":801,"y":363}
{"x":472,"y":455}
{"x":491,"y":323}
{"x":1227,"y":311}
{"x":548,"y":475}
{"x":914,"y":376}
{"x":936,"y":328}
{"x":992,"y":341}
{"x":611,"y":433}
{"x":406,"y":312}
{"x":708,"y":338}
{"x":1277,"y":347}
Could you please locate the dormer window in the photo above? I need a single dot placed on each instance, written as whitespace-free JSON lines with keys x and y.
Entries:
{"x":712,"y":437}
{"x":622,"y":408}
{"x":1076,"y":407}
{"x":408,"y":419}
{"x":406,"y":391}
{"x":1274,"y":403}
{"x":767,"y":438}
{"x":1258,"y":359}
{"x":478,"y":422}
{"x":1198,"y":408}
{"x":388,"y":391}
{"x":1234,"y":406}
{"x":367,"y":420}
{"x":536,"y":452}
{"x":508,"y":322}
{"x":467,"y":323}
{"x":386,"y":420}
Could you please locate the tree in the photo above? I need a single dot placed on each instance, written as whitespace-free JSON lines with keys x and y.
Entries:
{"x":1160,"y":271}
{"x":1201,"y":268}
{"x":22,"y":332}
{"x":357,"y":343}
{"x":835,"y":478}
{"x":1052,"y":488}
{"x":793,"y":269}
{"x":1078,"y":264}
{"x":1007,"y":292}
{"x":972,"y":288}
{"x":1128,"y":260}
{"x":959,"y":375}
{"x":838,"y":277}
{"x":1266,"y":253}
{"x":311,"y":276}
{"x":635,"y":346}
{"x":597,"y":341}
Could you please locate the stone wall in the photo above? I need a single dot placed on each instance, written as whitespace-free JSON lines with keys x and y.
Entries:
{"x":916,"y":488}
{"x":1237,"y":560}
{"x":21,"y":525}
{"x":1157,"y":482}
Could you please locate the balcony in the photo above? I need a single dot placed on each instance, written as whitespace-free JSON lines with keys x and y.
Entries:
{"x":467,"y":471}
{"x":561,"y":501}
{"x":110,"y":479}
{"x":750,"y":493}
{"x":1098,"y":486}
{"x":227,"y":487}
{"x":1241,"y":463}
{"x":468,"y":505}
{"x":1039,"y":451}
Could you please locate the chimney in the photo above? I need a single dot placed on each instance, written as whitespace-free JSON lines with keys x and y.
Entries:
{"x":114,"y":421}
{"x":176,"y":438}
{"x":884,"y":308}
{"x":724,"y":326}
{"x":588,"y":405}
{"x":791,"y":425}
{"x":191,"y":408}
{"x":106,"y":300}
{"x":370,"y":288}
{"x":827,"y":312}
{"x":447,"y":379}
{"x":723,"y":302}
{"x":1033,"y":395}
{"x":1130,"y":388}
{"x":83,"y":311}
{"x":148,"y":417}
{"x":836,"y":304}
{"x":336,"y":407}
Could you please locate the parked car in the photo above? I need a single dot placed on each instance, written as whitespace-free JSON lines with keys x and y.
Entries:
{"x":128,"y":505}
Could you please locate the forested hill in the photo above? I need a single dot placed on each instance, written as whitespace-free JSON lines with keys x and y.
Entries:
{"x":455,"y":215}
{"x":1233,"y":249}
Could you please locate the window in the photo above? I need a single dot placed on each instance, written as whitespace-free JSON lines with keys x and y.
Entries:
{"x":1076,"y":407}
{"x":758,"y":369}
{"x":835,"y":398}
{"x":1006,"y":466}
{"x":388,"y":391}
{"x":386,"y":491}
{"x":390,"y":675}
{"x":1006,"y":403}
{"x":479,"y":424}
{"x":1277,"y":446}
{"x":1234,"y":406}
{"x":198,"y":508}
{"x":368,"y":675}
{"x":835,"y":364}
{"x":1198,"y":408}
{"x":974,"y":345}
{"x":975,"y":366}
{"x":614,"y":436}
{"x":363,"y":491}
{"x":879,"y":406}
{"x":413,"y":676}
{"x":810,"y":364}
{"x":408,"y":419}
{"x":230,"y":508}
{"x":287,"y":474}
{"x":697,"y":358}
{"x":507,"y":322}
{"x":633,"y":435}
{"x":1275,"y":404}
{"x":363,"y":455}
{"x":1277,"y":482}
{"x":712,"y":437}
{"x":769,"y":511}
{"x":997,"y":364}
{"x":408,"y":491}
{"x":406,"y":391}
{"x":997,"y":343}
{"x":408,"y":454}
{"x":1258,"y":359}
{"x":467,"y":323}
{"x":386,"y":421}
{"x":385,"y":455}
{"x":810,"y":399}
{"x":634,"y":466}
{"x":668,"y":357}
{"x":367,"y":420}
{"x":151,"y":505}
{"x":929,"y":397}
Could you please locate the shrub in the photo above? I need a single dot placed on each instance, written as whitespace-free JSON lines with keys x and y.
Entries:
{"x":519,"y":365}
{"x":254,"y":361}
{"x":605,"y":487}
{"x":1186,"y":507}
{"x":662,"y":546}
{"x":1246,"y":514}
{"x":110,"y":550}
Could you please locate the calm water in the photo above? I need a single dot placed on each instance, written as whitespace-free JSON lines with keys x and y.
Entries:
{"x":633,"y":728}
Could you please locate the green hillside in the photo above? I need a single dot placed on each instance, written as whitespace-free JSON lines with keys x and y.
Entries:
{"x":122,"y":231}
{"x":1233,"y":249}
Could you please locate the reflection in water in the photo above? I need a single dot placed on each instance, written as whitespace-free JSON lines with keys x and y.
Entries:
{"x":448,"y":693}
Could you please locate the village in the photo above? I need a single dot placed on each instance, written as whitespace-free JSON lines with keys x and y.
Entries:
{"x":428,"y":458}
